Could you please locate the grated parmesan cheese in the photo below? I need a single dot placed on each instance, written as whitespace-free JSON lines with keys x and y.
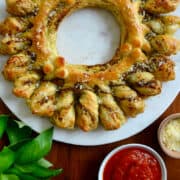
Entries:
{"x":171,"y":135}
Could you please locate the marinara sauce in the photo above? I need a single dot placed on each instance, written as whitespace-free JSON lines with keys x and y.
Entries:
{"x":132,"y":164}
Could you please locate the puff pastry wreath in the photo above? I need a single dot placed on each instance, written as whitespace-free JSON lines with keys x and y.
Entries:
{"x":80,"y":95}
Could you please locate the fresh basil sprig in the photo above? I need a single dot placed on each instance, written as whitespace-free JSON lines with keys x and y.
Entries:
{"x":36,"y":170}
{"x":35,"y":149}
{"x":23,"y":158}
{"x":8,"y":177}
{"x":13,"y":133}
{"x":7,"y":158}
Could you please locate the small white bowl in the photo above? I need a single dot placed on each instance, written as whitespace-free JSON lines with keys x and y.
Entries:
{"x":127,"y":146}
{"x":173,"y":154}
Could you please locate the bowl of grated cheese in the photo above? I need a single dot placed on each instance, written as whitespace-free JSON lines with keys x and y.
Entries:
{"x":169,"y":135}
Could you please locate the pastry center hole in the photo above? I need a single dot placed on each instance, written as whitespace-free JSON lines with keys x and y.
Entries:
{"x":89,"y":36}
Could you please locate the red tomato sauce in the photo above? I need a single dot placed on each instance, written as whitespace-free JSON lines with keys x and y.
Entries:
{"x":132,"y":164}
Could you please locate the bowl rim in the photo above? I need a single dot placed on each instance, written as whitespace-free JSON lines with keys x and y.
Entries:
{"x":131,"y":145}
{"x":173,"y":154}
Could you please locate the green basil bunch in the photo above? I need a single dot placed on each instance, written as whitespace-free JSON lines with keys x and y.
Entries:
{"x":23,"y":158}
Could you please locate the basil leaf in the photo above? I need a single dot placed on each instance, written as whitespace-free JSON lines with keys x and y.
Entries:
{"x":36,"y":148}
{"x":7,"y":158}
{"x":8,"y":177}
{"x":3,"y":124}
{"x":27,"y":177}
{"x":16,"y":134}
{"x":22,"y":176}
{"x":19,"y":144}
{"x":44,"y":163}
{"x":37,"y":171}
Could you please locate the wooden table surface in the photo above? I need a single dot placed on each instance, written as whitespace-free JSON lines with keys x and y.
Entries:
{"x":82,"y":163}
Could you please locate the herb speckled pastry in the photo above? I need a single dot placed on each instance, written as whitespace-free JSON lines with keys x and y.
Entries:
{"x":80,"y":95}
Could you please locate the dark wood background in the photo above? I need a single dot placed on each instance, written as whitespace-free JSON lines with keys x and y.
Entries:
{"x":82,"y":163}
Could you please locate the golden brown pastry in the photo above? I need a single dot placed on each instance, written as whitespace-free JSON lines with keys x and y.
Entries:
{"x":128,"y":100}
{"x":43,"y":100}
{"x":14,"y":25}
{"x":161,"y":6}
{"x":164,"y":24}
{"x":16,"y":66}
{"x":87,"y":111}
{"x":22,"y":7}
{"x":64,"y":116}
{"x":144,"y":83}
{"x":13,"y":45}
{"x":86,"y":95}
{"x":25,"y":85}
{"x":110,"y":114}
{"x":165,"y":44}
{"x":162,"y":68}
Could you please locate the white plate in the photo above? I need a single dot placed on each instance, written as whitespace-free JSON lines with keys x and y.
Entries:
{"x":155,"y":106}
